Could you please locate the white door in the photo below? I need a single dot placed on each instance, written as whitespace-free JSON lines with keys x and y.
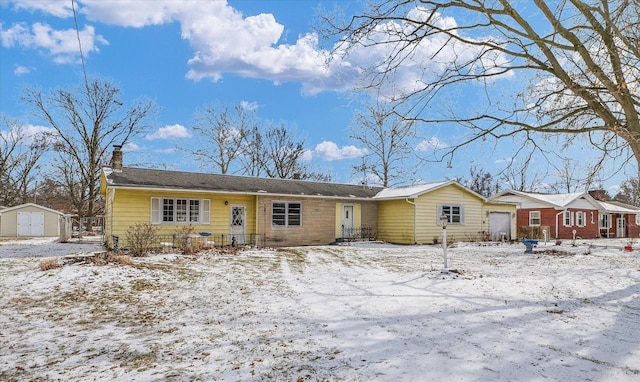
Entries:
{"x":347,"y":221}
{"x":237,"y":224}
{"x":30,"y":223}
{"x":620,"y":230}
{"x":500,"y":226}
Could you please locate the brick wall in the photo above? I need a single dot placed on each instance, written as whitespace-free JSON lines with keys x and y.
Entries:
{"x":549,"y":217}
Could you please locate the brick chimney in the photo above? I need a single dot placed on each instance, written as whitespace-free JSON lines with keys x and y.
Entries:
{"x":116,"y":158}
{"x":598,"y":194}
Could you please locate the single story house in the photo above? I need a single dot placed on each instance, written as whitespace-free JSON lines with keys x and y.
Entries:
{"x":565,"y":216}
{"x":288,"y":212}
{"x":32,"y":220}
{"x":619,"y":220}
{"x":412,"y":215}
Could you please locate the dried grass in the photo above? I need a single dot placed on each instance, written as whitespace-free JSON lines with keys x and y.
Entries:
{"x":48,"y":264}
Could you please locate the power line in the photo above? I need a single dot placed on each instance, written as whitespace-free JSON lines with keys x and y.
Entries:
{"x":75,"y":20}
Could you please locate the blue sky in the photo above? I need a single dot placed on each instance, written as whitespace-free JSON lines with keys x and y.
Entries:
{"x":185,"y":55}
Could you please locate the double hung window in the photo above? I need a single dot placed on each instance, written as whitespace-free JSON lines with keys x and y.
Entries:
{"x":179,"y":210}
{"x":286,"y":214}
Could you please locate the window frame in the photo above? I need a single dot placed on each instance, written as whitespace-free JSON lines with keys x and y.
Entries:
{"x":287,"y":213}
{"x":175,"y":210}
{"x":451,"y":216}
{"x":567,"y":219}
{"x":603,"y":217}
{"x":581,"y":220}
{"x":531,"y":218}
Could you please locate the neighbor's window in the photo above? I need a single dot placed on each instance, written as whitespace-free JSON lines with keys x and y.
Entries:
{"x":567,"y":219}
{"x":580,"y":219}
{"x":178,"y":210}
{"x":455,"y":214}
{"x":534,"y":218}
{"x":286,"y":214}
{"x":604,"y":221}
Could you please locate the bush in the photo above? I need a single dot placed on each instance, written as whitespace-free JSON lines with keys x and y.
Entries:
{"x":141,"y":239}
{"x":184,"y":242}
{"x":48,"y":264}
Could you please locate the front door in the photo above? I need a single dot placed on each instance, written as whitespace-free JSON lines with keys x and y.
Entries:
{"x":620,"y":230}
{"x":237,"y":224}
{"x":347,"y":221}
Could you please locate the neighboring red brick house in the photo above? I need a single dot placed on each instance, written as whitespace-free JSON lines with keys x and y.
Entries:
{"x":565,"y":214}
{"x":624,"y":220}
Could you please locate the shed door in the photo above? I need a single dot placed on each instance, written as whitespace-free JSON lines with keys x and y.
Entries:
{"x":30,"y":223}
{"x":500,"y":226}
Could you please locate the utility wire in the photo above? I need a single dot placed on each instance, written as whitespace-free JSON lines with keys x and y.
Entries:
{"x":75,"y":20}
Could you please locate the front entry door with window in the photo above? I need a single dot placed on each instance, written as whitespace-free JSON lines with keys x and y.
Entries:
{"x":620,"y":231}
{"x":237,"y":224}
{"x":347,"y":221}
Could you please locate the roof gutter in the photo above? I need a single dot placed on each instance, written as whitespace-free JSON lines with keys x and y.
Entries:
{"x":415,"y":208}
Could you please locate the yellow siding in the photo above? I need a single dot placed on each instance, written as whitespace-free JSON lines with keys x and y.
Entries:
{"x":396,"y":217}
{"x":126,"y":207}
{"x":395,"y":221}
{"x":338,"y":232}
{"x":428,"y":220}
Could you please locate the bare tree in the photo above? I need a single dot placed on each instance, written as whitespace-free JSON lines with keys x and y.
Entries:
{"x":387,"y":138}
{"x":87,"y":122}
{"x":252,"y":157}
{"x":629,"y":192}
{"x":282,"y":153}
{"x":518,"y":176}
{"x":481,"y":182}
{"x":20,"y":153}
{"x":222,"y":132}
{"x":577,"y":64}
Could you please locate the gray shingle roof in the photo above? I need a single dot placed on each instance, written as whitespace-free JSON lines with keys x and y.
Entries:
{"x":191,"y":181}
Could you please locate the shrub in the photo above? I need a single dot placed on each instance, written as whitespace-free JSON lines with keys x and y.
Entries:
{"x":141,"y":239}
{"x":184,"y":242}
{"x":48,"y":264}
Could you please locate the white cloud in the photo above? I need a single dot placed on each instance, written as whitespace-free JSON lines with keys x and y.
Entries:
{"x":330,"y":151}
{"x":170,"y":132}
{"x":27,"y":133}
{"x":431,"y":144}
{"x":62,"y":45}
{"x":307,"y":156}
{"x":20,"y":70}
{"x":225,"y":41}
{"x":246,"y":105}
{"x":130,"y":147}
{"x":58,"y":8}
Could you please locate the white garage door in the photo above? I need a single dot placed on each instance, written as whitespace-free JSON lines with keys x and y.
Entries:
{"x":500,"y":225}
{"x":30,"y":223}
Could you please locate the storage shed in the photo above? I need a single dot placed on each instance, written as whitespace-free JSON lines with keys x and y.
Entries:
{"x":31,"y":220}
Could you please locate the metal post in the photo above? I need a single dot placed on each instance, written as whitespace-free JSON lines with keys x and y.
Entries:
{"x":443,"y":219}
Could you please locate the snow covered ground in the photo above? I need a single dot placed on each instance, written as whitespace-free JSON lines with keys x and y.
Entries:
{"x":369,"y":312}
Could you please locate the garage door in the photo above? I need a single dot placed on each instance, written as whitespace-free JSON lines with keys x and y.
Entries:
{"x":30,"y":223}
{"x":500,"y":225}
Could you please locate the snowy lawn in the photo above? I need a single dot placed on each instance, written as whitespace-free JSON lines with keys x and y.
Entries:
{"x":355,"y":313}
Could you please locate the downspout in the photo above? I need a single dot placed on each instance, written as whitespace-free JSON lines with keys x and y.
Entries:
{"x":557,"y":224}
{"x":415,"y":207}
